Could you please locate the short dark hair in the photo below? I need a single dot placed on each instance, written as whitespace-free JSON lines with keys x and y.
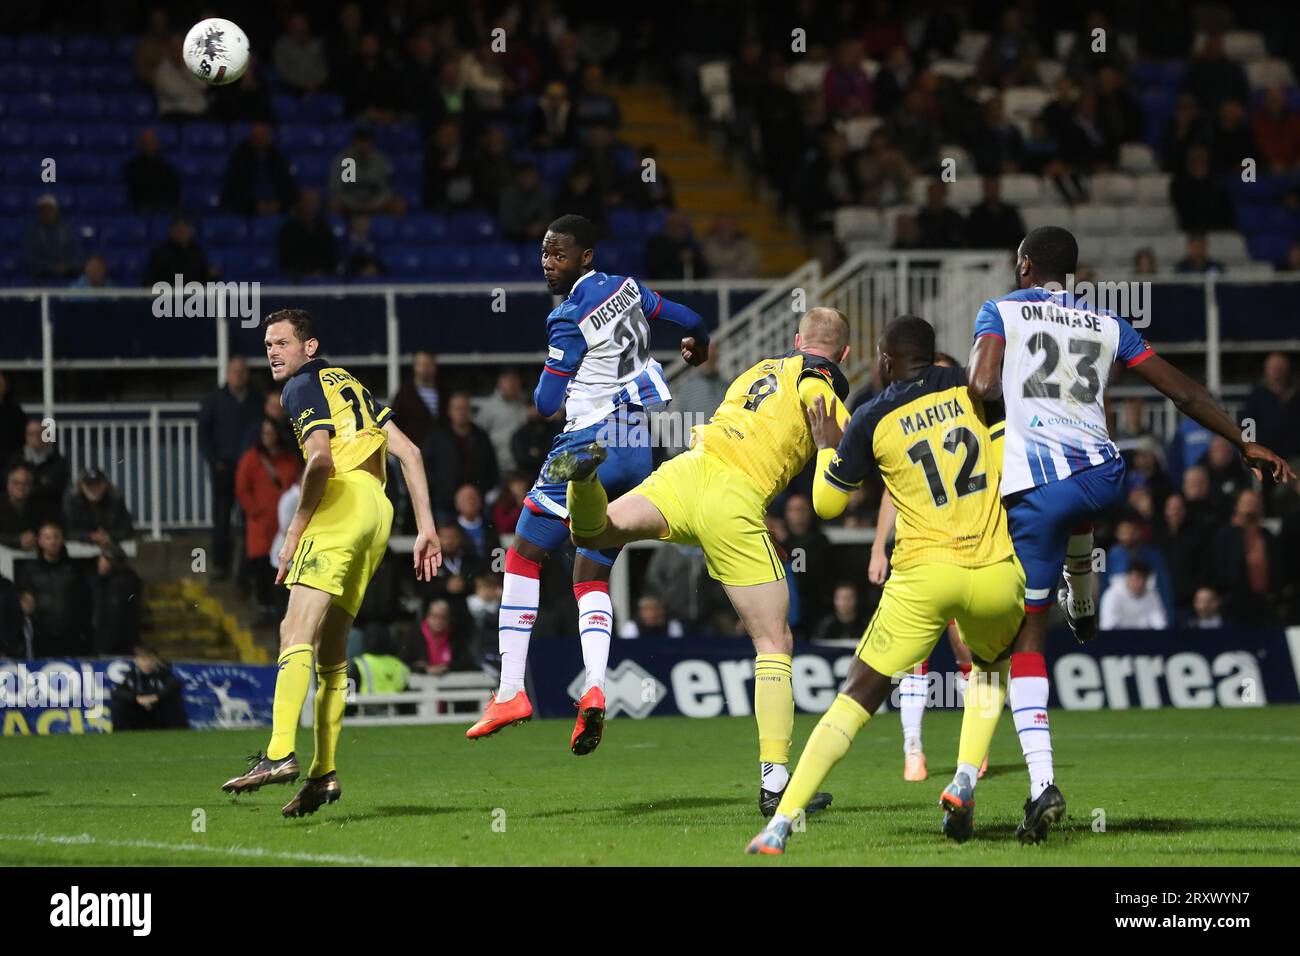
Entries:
{"x":909,"y":335}
{"x":579,"y":227}
{"x":303,"y":325}
{"x":1053,"y":251}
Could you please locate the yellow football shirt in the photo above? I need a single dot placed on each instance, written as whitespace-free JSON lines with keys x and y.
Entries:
{"x":320,"y":395}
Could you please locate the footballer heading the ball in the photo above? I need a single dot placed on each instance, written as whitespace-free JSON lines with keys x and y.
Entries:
{"x":216,"y":51}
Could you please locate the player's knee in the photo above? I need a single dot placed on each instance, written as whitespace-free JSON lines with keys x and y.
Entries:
{"x":776,"y":641}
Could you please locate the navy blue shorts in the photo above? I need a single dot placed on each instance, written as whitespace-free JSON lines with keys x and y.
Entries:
{"x":1042,"y":519}
{"x":545,"y":518}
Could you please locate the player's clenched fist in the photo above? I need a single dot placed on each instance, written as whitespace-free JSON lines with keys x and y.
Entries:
{"x":692,"y":353}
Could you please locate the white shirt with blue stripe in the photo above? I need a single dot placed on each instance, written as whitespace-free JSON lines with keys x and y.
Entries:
{"x":1058,"y":358}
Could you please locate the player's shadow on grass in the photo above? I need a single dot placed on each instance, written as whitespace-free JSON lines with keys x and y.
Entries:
{"x":402,"y":810}
{"x":24,"y":794}
{"x":642,"y":808}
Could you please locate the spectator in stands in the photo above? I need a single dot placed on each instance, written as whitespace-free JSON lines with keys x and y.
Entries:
{"x":1274,"y":407}
{"x":485,"y":83}
{"x":1184,"y":541}
{"x":648,"y":186}
{"x":247,"y":100}
{"x":992,"y":223}
{"x":676,"y":575}
{"x":1207,"y":611}
{"x":696,"y":399}
{"x":845,"y":85}
{"x":262,"y":476}
{"x":1084,"y":140}
{"x":525,"y":206}
{"x":300,"y":60}
{"x":493,"y":168}
{"x":452,"y":100}
{"x":894,"y":76}
{"x":21,"y":516}
{"x":1144,"y":262}
{"x":257,"y":180}
{"x":369,"y":188}
{"x":418,"y":403}
{"x":116,"y":596}
{"x":652,"y":621}
{"x":95,"y":511}
{"x":509,"y":502}
{"x":881,"y":173}
{"x":673,"y":253}
{"x":1234,"y":139}
{"x":181,"y":95}
{"x":49,"y":469}
{"x":1246,"y":561}
{"x":1197,"y":261}
{"x":779,"y":128}
{"x":457,"y":453}
{"x":484,"y":607}
{"x":552,"y":123}
{"x":419,"y":73}
{"x":343,"y":44}
{"x":728,"y":252}
{"x":1201,"y":505}
{"x":940,"y":226}
{"x":370,"y":83}
{"x":154,"y":45}
{"x":1187,"y":128}
{"x":825,"y":181}
{"x":177,"y":255}
{"x":1212,"y":78}
{"x":581,"y":196}
{"x":600,"y":155}
{"x":594,"y":105}
{"x":225,"y":417}
{"x":1277,"y":131}
{"x":1189,"y":443}
{"x":810,"y":555}
{"x":565,"y":63}
{"x":13,"y":422}
{"x":1118,"y":113}
{"x":306,"y":242}
{"x":51,"y":249}
{"x":436,"y":638}
{"x":152,"y":184}
{"x":845,"y":622}
{"x":94,"y":275}
{"x":998,"y":145}
{"x":502,"y":413}
{"x":482,"y":537}
{"x":1132,"y":545}
{"x":448,"y":171}
{"x":459,"y":567}
{"x":360,"y":250}
{"x":1007,"y":49}
{"x":1227,"y":474}
{"x":1132,"y":602}
{"x":150,"y":696}
{"x":533,"y":441}
{"x":15,"y":626}
{"x":59,"y":596}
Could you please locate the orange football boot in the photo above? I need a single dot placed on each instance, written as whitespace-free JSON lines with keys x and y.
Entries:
{"x":591,"y":722}
{"x":498,"y":716}
{"x":914,"y":766}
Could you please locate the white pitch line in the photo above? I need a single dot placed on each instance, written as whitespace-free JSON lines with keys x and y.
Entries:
{"x":85,"y":839}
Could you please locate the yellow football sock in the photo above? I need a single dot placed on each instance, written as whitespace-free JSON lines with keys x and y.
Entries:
{"x":773,"y":707}
{"x":829,"y":742}
{"x":986,"y":694}
{"x":291,"y":685}
{"x":587,"y":506}
{"x":331,"y":694}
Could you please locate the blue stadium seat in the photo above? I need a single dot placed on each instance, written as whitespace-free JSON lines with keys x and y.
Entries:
{"x":160,"y":225}
{"x":200,"y":197}
{"x":554,"y":164}
{"x":408,"y":163}
{"x":1269,"y":246}
{"x":125,"y":263}
{"x":106,"y":136}
{"x":223,"y":228}
{"x":14,"y":134}
{"x":197,"y":137}
{"x":38,"y":48}
{"x":16,"y":77}
{"x":135,"y":107}
{"x":337,"y":135}
{"x":424,"y":227}
{"x":169,"y":137}
{"x":497,"y":260}
{"x":123,"y":230}
{"x":322,"y":107}
{"x":244,"y":263}
{"x":101,"y":198}
{"x":15,"y":202}
{"x":86,"y":168}
{"x":88,"y":46}
{"x":471,"y":226}
{"x":12,"y":230}
{"x":383,"y":228}
{"x":61,"y":79}
{"x":309,"y":168}
{"x":8,"y":47}
{"x":450,"y":262}
{"x":32,"y":106}
{"x":56,"y":135}
{"x":264,"y":229}
{"x":392,"y":137}
{"x":108,"y":77}
{"x":408,"y":261}
{"x":300,"y":137}
{"x":124,"y":47}
{"x":624,"y":222}
{"x":89,"y":234}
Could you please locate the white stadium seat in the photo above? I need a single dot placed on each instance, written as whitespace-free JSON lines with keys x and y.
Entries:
{"x":1244,"y":46}
{"x":1035,"y":216}
{"x":1116,"y":188}
{"x":971,"y":45}
{"x":965,"y":192}
{"x":721,"y":107}
{"x":1049,"y":71}
{"x":715,"y":77}
{"x":1265,"y":73}
{"x":1064,"y":43}
{"x":1137,"y":158}
{"x":858,"y":129}
{"x":1114,"y":256}
{"x":853,"y":223}
{"x":1022,"y":189}
{"x":1153,"y":189}
{"x":953,"y":69}
{"x":1169,"y":248}
{"x":871,"y":67}
{"x":1024,"y":102}
{"x":1228,"y":247}
{"x":1096,"y":220}
{"x":1148,"y":220}
{"x":805,"y":77}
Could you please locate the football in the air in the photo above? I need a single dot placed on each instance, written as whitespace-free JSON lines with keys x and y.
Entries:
{"x":216,"y":51}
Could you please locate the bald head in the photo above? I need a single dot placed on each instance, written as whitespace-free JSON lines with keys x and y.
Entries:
{"x":824,"y":331}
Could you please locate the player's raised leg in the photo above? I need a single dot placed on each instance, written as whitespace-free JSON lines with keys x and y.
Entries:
{"x":322,"y":784}
{"x":298,"y":636}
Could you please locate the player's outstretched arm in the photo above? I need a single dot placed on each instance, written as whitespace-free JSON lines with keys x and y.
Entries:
{"x":427,"y":552}
{"x":1195,"y":401}
{"x":320,"y":464}
{"x":695,"y":347}
{"x":984,"y":374}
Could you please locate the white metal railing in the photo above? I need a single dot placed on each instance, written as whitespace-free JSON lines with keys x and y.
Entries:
{"x":433,"y":696}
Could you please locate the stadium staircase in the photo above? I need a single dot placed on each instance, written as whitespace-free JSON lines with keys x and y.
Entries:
{"x":870,"y":288}
{"x":705,"y":184}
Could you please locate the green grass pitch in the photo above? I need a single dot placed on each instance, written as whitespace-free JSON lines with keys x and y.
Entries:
{"x":1177,"y":787}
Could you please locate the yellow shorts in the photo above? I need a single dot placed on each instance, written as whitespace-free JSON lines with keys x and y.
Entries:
{"x":918,"y":602}
{"x":345,"y":539}
{"x":712,"y":505}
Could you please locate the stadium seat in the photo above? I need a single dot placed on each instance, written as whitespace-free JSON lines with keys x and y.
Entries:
{"x":953,"y":69}
{"x":1271,"y":72}
{"x":965,"y":192}
{"x":223,"y":228}
{"x":970,"y":45}
{"x":309,"y":168}
{"x":1094,"y":219}
{"x":383,"y":228}
{"x":1169,"y":248}
{"x":198,"y":137}
{"x":123,"y":230}
{"x":16,"y":77}
{"x":12,"y":229}
{"x":857,"y":131}
{"x":1148,"y":220}
{"x":1152,"y":189}
{"x":1270,"y":246}
{"x":855,"y":223}
{"x":1229,"y":247}
{"x":715,"y":77}
{"x":1022,"y":189}
{"x":39,"y":49}
{"x":805,"y":76}
{"x":1035,"y":216}
{"x":102,"y":197}
{"x":133,"y":107}
{"x":423,"y":227}
{"x":32,"y":106}
{"x":1115,"y":188}
{"x":264,"y":230}
{"x":55,"y":135}
{"x":1137,"y":158}
{"x":471,"y":226}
